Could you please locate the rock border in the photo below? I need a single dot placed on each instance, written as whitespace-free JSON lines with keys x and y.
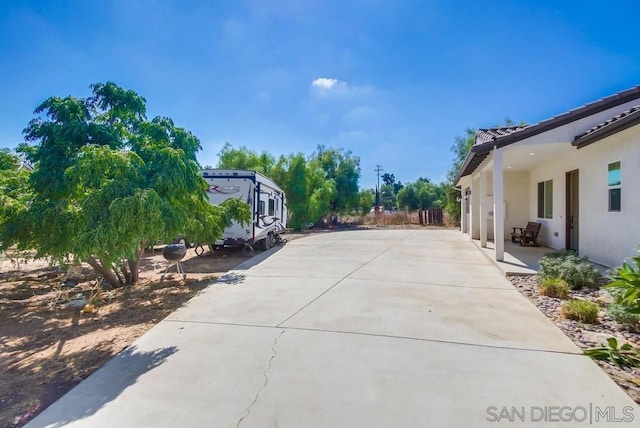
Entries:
{"x":586,"y":335}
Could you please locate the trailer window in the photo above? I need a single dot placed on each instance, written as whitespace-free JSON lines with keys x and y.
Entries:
{"x":261,"y":207}
{"x":272,"y":207}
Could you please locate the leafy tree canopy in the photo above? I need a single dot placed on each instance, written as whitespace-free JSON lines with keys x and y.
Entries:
{"x":245,"y":158}
{"x":388,"y":179}
{"x":325,"y":182}
{"x":344,"y":169}
{"x":15,"y":195}
{"x":421,"y":194}
{"x":367,"y":199}
{"x":107,"y":181}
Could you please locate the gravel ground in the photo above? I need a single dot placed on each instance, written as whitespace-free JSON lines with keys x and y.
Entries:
{"x":587,"y":335}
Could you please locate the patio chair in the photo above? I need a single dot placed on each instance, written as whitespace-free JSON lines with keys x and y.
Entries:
{"x":527,"y":235}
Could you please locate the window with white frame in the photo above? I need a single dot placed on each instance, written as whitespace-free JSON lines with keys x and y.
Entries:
{"x":545,"y":199}
{"x":614,"y":182}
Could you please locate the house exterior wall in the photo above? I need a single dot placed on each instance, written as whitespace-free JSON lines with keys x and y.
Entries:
{"x":516,"y":188}
{"x":607,"y":237}
{"x":516,"y":197}
{"x":552,"y":232}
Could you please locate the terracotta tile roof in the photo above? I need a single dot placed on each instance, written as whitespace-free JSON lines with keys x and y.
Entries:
{"x":492,"y":134}
{"x":481,"y":149}
{"x":617,"y":123}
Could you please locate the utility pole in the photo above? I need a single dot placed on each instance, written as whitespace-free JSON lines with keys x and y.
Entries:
{"x":377,"y":170}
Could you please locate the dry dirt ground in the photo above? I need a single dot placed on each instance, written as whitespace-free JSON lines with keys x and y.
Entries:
{"x":47,"y":346}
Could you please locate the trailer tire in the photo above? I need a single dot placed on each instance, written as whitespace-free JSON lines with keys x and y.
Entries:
{"x":267,"y":242}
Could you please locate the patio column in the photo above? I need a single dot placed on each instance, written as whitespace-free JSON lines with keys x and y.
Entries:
{"x":484,"y":210}
{"x":474,"y":198}
{"x":462,"y":207}
{"x":498,"y":204}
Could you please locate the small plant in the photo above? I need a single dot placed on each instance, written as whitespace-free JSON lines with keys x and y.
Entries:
{"x":554,"y":287}
{"x":625,"y":285}
{"x":622,"y":356}
{"x":581,"y":310}
{"x":578,"y":272}
{"x":622,"y":316}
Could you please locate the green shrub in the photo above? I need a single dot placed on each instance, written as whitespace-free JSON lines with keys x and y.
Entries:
{"x":622,"y":316}
{"x":554,"y":287}
{"x":625,"y":285}
{"x":578,"y":272}
{"x":581,"y":310}
{"x":622,"y":356}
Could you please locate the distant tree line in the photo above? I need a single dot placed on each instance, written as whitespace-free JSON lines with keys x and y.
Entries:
{"x":321,"y":184}
{"x":420,"y":194}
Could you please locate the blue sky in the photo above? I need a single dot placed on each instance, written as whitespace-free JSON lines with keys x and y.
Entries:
{"x":394,"y":81}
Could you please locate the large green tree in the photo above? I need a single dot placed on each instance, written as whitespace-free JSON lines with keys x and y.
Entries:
{"x":367,"y":199}
{"x":245,"y":158}
{"x":323,"y":183}
{"x":421,"y":194}
{"x":344,"y":169}
{"x":460,"y":149}
{"x":107,"y":182}
{"x":15,"y":195}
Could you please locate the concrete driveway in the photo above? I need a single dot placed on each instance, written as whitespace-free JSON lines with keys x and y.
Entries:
{"x":385,"y":328}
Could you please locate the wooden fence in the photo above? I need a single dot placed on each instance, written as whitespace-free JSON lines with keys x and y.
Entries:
{"x":433,"y":216}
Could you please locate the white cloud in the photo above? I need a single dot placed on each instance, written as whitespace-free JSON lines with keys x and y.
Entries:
{"x":324,"y":86}
{"x":325,"y":83}
{"x":328,"y":87}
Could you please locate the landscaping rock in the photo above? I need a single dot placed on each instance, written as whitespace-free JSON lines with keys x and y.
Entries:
{"x":587,"y":335}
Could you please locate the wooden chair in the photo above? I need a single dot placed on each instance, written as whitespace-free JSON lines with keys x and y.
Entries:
{"x":527,"y":235}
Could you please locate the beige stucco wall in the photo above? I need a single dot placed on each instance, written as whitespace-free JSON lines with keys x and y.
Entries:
{"x":552,"y":233}
{"x":516,"y":197}
{"x":609,"y":237}
{"x":516,"y":187}
{"x":605,"y":237}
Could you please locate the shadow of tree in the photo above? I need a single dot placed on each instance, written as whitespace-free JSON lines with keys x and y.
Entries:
{"x":41,"y":350}
{"x":102,"y":387}
{"x":231,"y":278}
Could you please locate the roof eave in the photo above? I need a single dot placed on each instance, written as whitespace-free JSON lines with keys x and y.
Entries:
{"x":607,"y":131}
{"x":548,"y":125}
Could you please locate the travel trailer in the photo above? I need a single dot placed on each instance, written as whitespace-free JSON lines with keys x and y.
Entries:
{"x":265,"y":198}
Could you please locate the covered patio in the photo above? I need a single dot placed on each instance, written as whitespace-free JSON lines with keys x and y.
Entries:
{"x":517,"y":260}
{"x":520,"y":260}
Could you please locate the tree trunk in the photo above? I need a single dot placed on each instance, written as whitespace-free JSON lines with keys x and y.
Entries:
{"x":135,"y":268}
{"x":108,"y":274}
{"x":125,"y":272}
{"x":134,"y":264}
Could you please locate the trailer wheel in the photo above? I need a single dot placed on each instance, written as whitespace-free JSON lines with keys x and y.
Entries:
{"x":267,"y":243}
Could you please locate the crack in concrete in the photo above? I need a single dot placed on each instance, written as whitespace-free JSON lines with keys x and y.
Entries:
{"x":266,"y":379}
